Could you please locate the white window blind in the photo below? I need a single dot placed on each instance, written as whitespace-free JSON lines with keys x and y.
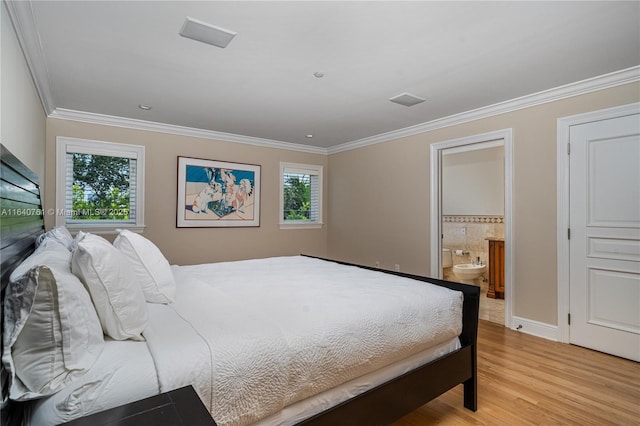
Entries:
{"x":315,"y":198}
{"x":133,"y":189}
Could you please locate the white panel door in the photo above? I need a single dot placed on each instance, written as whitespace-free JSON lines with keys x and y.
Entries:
{"x":605,"y":236}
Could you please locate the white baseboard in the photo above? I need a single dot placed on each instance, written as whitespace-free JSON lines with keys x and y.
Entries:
{"x":536,"y":328}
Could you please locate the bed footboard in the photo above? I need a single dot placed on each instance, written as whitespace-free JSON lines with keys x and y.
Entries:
{"x":397,"y":397}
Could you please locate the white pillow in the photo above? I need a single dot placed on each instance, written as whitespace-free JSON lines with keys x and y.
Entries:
{"x":116,"y":295}
{"x":59,"y":233}
{"x":50,"y":252}
{"x":51,"y":332}
{"x":151,"y":269}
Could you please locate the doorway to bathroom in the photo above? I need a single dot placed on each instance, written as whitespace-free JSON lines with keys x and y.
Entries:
{"x":471,"y":217}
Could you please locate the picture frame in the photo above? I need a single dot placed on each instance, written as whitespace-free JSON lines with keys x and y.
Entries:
{"x":215,"y":193}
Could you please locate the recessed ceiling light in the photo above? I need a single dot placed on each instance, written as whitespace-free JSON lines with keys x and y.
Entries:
{"x":318,"y":74}
{"x":144,"y":107}
{"x":309,"y":136}
{"x":407,"y":99}
{"x":206,"y":33}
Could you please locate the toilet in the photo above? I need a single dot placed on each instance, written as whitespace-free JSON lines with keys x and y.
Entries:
{"x":447,"y":263}
{"x":447,"y":260}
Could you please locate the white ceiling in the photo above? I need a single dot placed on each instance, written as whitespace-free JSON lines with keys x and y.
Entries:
{"x":107,"y":57}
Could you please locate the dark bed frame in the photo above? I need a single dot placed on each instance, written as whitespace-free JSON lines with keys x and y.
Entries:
{"x":391,"y":400}
{"x":22,"y":222}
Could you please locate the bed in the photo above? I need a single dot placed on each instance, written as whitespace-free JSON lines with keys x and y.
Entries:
{"x":298,"y":353}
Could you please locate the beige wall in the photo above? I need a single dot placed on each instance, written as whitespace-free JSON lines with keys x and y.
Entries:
{"x":22,"y":118}
{"x":200,"y":245}
{"x":379,"y":198}
{"x":479,"y":175}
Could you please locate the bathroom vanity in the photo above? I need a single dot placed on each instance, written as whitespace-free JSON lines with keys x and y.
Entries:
{"x":496,"y":268}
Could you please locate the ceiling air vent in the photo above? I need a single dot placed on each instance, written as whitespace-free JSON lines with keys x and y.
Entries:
{"x":206,"y":33}
{"x":407,"y":99}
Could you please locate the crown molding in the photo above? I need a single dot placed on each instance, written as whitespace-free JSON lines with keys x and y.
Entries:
{"x":21,"y":16}
{"x":605,"y":81}
{"x":130,"y":123}
{"x":617,"y":78}
{"x":613,"y":79}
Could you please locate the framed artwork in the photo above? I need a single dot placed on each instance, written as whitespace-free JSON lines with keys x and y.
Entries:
{"x":217,"y":194}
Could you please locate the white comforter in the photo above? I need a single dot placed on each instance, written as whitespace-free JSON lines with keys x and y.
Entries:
{"x":258,"y":335}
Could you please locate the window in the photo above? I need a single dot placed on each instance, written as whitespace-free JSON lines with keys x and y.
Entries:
{"x":300,"y":195}
{"x":100,"y":185}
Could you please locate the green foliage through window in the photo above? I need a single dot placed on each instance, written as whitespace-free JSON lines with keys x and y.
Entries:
{"x":297,"y":197}
{"x":101,"y":187}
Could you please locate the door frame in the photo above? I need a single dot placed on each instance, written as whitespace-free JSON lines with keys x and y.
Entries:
{"x":563,"y":188}
{"x":506,"y":139}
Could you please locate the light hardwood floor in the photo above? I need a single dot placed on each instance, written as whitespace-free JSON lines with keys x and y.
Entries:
{"x":527,"y":380}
